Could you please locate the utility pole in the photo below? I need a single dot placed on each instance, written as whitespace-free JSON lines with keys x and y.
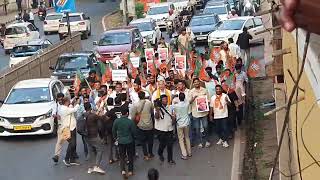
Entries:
{"x":68,"y":24}
{"x":125,"y":12}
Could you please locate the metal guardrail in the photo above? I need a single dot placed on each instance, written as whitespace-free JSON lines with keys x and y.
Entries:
{"x":37,"y":66}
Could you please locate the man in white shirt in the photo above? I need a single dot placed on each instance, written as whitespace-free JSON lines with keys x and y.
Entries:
{"x":31,"y":19}
{"x":164,"y":125}
{"x":68,"y":120}
{"x":234,"y":49}
{"x":219,"y":113}
{"x":181,"y":88}
{"x":162,"y":90}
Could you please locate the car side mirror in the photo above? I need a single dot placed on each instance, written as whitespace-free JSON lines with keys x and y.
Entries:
{"x":95,"y":43}
{"x":51,"y":68}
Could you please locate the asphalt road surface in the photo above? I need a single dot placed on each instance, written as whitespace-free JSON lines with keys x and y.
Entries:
{"x":92,"y":8}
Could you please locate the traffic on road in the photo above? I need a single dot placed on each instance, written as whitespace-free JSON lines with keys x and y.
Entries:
{"x":173,"y":80}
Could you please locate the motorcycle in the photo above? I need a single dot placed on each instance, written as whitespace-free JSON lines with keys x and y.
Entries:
{"x":42,"y":12}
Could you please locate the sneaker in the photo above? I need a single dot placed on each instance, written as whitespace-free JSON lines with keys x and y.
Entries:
{"x":220,"y":142}
{"x":200,"y":146}
{"x":130,"y":173}
{"x":207,"y":144}
{"x":98,"y":170}
{"x":161,"y":158}
{"x":172,"y":162}
{"x":55,"y":159}
{"x":146,"y":158}
{"x":225,"y":144}
{"x":184,"y":157}
{"x":74,"y":163}
{"x":90,"y":170}
{"x":67,"y":163}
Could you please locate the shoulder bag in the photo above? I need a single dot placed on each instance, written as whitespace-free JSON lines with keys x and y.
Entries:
{"x":138,"y":114}
{"x":66,"y":133}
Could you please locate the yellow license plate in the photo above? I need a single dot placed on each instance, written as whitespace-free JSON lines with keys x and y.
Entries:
{"x":22,"y":128}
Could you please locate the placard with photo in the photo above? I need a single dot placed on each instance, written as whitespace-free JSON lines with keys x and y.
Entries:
{"x":202,"y":104}
{"x":180,"y":62}
{"x":163,"y":53}
{"x":149,"y":53}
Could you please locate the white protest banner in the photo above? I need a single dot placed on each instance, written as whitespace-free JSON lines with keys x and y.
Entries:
{"x":119,"y":75}
{"x":117,"y":60}
{"x":135,"y":61}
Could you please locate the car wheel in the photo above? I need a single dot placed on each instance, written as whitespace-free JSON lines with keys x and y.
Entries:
{"x":46,"y":33}
{"x":61,"y":37}
{"x":85,"y":35}
{"x":7,"y":51}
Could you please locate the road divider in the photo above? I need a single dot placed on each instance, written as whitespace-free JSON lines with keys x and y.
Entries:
{"x":104,"y":19}
{"x":37,"y":66}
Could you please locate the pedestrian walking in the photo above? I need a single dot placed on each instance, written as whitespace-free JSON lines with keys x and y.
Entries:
{"x":164,"y":125}
{"x":219,"y":114}
{"x":25,"y":16}
{"x":124,"y":131}
{"x":31,"y":17}
{"x":183,"y":123}
{"x":19,"y":5}
{"x":57,"y":118}
{"x":142,"y":112}
{"x":234,"y":49}
{"x":93,"y":127}
{"x":199,"y":118}
{"x":243,"y":42}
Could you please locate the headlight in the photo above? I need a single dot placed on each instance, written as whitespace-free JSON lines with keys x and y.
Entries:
{"x":46,"y":116}
{"x":2,"y":119}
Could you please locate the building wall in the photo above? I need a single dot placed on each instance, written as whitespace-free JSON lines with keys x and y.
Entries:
{"x":311,"y":131}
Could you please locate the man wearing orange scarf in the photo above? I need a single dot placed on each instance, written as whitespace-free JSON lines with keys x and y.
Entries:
{"x":219,"y":113}
{"x":161,"y":90}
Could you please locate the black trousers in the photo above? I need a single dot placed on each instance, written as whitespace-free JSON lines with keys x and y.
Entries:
{"x":239,"y":114}
{"x":85,"y":145}
{"x":166,"y":141}
{"x":146,"y":140}
{"x":71,"y":150}
{"x":126,"y":150}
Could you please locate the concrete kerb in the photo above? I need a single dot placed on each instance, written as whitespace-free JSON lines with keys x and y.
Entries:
{"x":105,"y":16}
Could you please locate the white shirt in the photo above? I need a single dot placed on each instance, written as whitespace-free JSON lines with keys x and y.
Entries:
{"x":31,"y":16}
{"x":234,"y":50}
{"x":181,"y":110}
{"x":176,"y":93}
{"x":134,"y":95}
{"x":164,"y":124}
{"x":220,"y":113}
{"x":67,"y":116}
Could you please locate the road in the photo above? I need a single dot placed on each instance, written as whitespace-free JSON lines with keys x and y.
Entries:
{"x":93,"y":9}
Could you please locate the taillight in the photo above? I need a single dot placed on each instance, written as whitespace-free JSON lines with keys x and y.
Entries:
{"x":44,"y":22}
{"x":82,"y":23}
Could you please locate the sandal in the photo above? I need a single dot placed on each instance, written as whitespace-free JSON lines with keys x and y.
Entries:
{"x":184,"y":157}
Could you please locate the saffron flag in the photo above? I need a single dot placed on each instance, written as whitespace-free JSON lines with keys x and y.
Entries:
{"x":254,"y":69}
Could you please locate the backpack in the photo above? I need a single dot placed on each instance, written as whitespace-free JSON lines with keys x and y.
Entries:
{"x":82,"y":128}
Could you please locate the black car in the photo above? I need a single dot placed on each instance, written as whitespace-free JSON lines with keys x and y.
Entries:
{"x":69,"y":63}
{"x":202,"y":25}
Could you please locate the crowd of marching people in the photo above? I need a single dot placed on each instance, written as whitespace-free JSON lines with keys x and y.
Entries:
{"x":157,"y":101}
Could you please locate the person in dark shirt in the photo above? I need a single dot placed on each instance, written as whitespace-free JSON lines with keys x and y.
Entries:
{"x":93,"y":139}
{"x":124,"y":131}
{"x":111,"y":116}
{"x":26,"y":17}
{"x":243,"y":42}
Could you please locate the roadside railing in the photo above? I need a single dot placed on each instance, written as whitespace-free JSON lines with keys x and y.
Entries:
{"x":37,"y":66}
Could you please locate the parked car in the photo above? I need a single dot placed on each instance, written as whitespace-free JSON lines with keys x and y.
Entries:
{"x":160,"y":13}
{"x":24,"y":50}
{"x":79,"y":22}
{"x":221,"y":10}
{"x":116,"y":41}
{"x":202,"y":25}
{"x":69,"y":63}
{"x":148,"y":29}
{"x":28,"y":108}
{"x":51,"y":22}
{"x":231,"y":28}
{"x":21,"y":32}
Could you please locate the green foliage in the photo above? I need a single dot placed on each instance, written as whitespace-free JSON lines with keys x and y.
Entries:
{"x":139,"y":9}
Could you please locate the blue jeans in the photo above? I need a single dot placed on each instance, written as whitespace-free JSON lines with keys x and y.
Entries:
{"x":197,"y":122}
{"x":222,"y":128}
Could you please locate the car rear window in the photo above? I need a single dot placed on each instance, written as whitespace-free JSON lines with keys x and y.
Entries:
{"x":53,"y":17}
{"x":72,"y":63}
{"x":72,"y":18}
{"x":115,"y":39}
{"x":26,"y":49}
{"x":215,"y":10}
{"x":16,"y":30}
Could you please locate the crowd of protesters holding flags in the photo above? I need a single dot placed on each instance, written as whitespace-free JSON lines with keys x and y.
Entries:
{"x":166,"y":92}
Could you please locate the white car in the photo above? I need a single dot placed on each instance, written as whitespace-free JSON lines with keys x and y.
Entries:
{"x":231,"y":28}
{"x":28,"y":108}
{"x":148,"y":29}
{"x":79,"y":22}
{"x":51,"y":22}
{"x":220,"y":10}
{"x":21,"y":32}
{"x":160,"y":13}
{"x":23,"y":51}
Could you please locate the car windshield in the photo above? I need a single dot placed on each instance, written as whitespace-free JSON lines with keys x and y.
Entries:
{"x":146,"y":26}
{"x":16,"y":30}
{"x":29,"y":95}
{"x":200,"y":21}
{"x":72,"y":18}
{"x":54,"y":17}
{"x":231,"y":25}
{"x":158,"y":10}
{"x":215,"y":10}
{"x":72,"y":63}
{"x":115,"y":39}
{"x":26,"y":49}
